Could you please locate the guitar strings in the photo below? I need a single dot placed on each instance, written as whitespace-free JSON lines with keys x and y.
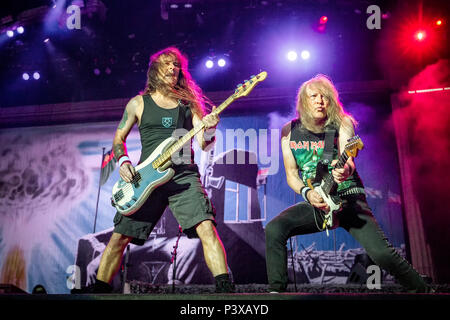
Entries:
{"x":129,"y":185}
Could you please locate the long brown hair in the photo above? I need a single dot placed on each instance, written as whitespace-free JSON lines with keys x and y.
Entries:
{"x":186,"y":89}
{"x":335,"y":111}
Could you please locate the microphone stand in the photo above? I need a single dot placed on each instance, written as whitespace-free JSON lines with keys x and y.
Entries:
{"x":99,"y":186}
{"x":174,"y":258}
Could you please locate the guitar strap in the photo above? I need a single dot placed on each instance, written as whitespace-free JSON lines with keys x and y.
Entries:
{"x":327,"y":155}
{"x":184,"y":117}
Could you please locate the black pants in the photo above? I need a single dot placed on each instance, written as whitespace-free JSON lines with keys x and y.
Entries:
{"x":357,"y":218}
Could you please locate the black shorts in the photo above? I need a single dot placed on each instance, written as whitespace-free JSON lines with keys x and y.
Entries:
{"x":186,"y":198}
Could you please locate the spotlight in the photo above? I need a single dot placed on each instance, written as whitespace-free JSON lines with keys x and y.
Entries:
{"x":323,"y":19}
{"x":10,"y":33}
{"x":20,"y":30}
{"x":36,"y":75}
{"x":46,"y":40}
{"x":174,"y":6}
{"x":305,"y":54}
{"x":291,"y":55}
{"x":420,"y":35}
{"x":209,"y":64}
{"x":108,"y":70}
{"x":188,"y":5}
{"x":221,"y":62}
{"x":439,"y":22}
{"x":97,"y":71}
{"x":25,"y":76}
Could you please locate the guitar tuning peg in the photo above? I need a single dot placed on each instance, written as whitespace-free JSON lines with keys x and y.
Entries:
{"x":252,"y":76}
{"x":239,"y":85}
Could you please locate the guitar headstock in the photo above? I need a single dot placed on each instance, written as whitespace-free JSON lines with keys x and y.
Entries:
{"x":244,"y":89}
{"x":354,"y":144}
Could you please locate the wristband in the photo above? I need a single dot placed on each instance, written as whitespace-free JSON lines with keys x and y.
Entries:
{"x":304,"y":191}
{"x":124,"y":158}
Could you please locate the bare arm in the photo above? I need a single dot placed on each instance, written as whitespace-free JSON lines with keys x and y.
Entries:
{"x":129,"y":118}
{"x":290,"y":165}
{"x":346,"y":131}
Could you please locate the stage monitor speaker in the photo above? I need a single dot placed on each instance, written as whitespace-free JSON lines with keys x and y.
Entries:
{"x":358,"y":272}
{"x":6,"y":288}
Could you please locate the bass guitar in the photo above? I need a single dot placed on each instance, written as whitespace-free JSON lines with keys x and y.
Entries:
{"x":128,"y":197}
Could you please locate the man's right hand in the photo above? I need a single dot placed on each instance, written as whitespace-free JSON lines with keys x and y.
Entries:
{"x":317,"y":201}
{"x":127,"y":172}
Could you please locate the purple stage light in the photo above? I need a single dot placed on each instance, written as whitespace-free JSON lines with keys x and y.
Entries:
{"x":221,"y":62}
{"x":46,"y":40}
{"x":36,"y":75}
{"x":20,"y":30}
{"x":209,"y":64}
{"x":305,"y":54}
{"x":291,"y":55}
{"x":10,"y":33}
{"x":25,"y":76}
{"x":96,"y":71}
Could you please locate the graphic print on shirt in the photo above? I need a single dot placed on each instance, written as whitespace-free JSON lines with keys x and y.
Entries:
{"x":166,"y":122}
{"x":308,"y":153}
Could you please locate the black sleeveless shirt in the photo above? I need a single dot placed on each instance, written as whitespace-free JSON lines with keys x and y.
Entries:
{"x":157,"y":124}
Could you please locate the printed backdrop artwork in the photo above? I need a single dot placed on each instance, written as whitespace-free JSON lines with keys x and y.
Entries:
{"x":51,"y":232}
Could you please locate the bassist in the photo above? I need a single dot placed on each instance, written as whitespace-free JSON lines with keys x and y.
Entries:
{"x":170,"y":93}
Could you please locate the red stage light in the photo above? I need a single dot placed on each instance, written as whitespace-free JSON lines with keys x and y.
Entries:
{"x":420,"y":35}
{"x":439,"y":22}
{"x":323,"y":19}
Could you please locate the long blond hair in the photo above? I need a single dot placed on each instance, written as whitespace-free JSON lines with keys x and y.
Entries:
{"x":186,"y":89}
{"x":335,"y":111}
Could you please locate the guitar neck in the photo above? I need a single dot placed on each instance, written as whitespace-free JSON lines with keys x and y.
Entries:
{"x":165,"y":156}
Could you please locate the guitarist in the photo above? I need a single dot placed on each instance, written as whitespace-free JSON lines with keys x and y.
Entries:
{"x":303,"y":142}
{"x":170,"y":93}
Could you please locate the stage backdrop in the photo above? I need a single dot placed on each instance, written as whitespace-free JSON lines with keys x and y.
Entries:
{"x":49,"y":191}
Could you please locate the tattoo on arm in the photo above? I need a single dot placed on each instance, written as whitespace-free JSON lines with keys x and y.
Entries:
{"x":124,"y":120}
{"x":119,"y":150}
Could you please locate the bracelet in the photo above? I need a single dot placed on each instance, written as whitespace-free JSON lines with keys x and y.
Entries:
{"x":124,"y":158}
{"x":304,"y":191}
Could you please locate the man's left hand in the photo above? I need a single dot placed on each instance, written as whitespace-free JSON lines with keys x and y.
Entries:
{"x":340,"y":175}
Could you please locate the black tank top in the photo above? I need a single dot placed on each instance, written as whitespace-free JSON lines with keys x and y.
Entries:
{"x":157,"y":124}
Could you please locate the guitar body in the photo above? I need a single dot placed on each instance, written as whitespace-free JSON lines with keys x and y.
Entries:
{"x":332,"y":200}
{"x":128,"y":197}
{"x":324,"y":183}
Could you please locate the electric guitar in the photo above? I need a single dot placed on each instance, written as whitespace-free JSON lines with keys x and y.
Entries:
{"x":325,"y":185}
{"x":128,"y":197}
